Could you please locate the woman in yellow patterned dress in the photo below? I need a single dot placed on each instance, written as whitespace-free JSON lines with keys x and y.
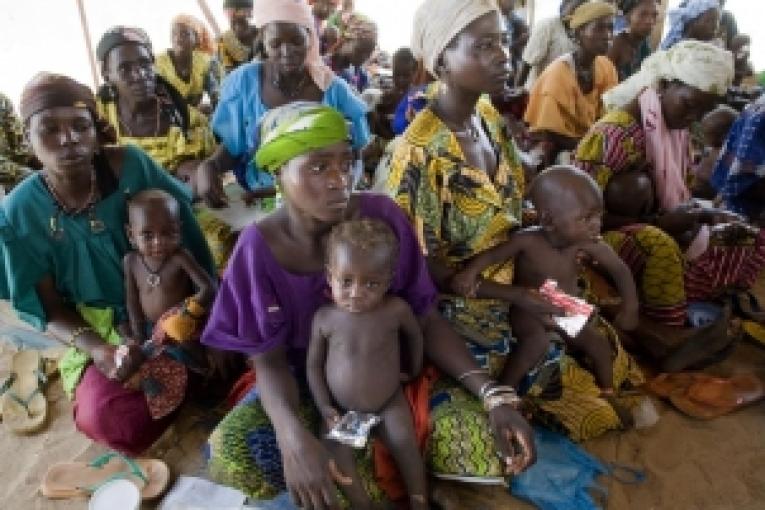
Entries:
{"x":639,"y":154}
{"x":145,"y":110}
{"x":189,"y":65}
{"x":457,"y":175}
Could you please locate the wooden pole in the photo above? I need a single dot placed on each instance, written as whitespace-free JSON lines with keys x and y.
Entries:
{"x":88,"y":44}
{"x":209,"y":17}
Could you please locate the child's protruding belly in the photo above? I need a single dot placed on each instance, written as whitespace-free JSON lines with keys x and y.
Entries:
{"x":363,"y":383}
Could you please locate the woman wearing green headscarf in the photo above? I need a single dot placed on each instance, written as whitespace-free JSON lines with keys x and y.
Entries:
{"x":273,"y":285}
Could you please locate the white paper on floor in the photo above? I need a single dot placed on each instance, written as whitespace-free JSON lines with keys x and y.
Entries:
{"x":191,"y":493}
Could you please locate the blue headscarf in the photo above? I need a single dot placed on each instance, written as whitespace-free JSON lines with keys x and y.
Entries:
{"x":680,"y":17}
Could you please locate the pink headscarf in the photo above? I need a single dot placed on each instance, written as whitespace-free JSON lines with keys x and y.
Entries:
{"x":668,"y":152}
{"x":298,"y":12}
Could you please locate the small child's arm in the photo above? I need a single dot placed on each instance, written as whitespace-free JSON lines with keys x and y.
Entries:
{"x":203,"y":282}
{"x":410,"y":327}
{"x":315,"y":370}
{"x":606,"y":257}
{"x":136,"y":319}
{"x":464,"y":283}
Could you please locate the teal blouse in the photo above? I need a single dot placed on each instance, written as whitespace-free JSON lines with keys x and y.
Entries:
{"x":86,"y":265}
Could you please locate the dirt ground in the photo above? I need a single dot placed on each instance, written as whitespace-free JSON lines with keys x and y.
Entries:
{"x":690,"y":464}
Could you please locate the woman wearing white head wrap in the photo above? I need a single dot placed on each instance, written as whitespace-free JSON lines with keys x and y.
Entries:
{"x":694,"y":19}
{"x":456,"y":173}
{"x":639,"y":154}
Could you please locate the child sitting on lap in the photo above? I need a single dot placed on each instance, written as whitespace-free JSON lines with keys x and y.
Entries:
{"x":569,"y":205}
{"x":160,"y":275}
{"x":354,"y":358}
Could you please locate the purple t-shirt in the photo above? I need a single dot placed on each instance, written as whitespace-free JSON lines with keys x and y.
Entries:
{"x":261,"y":306}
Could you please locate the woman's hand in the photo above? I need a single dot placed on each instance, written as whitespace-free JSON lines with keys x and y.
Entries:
{"x":105,"y":359}
{"x":209,"y":185}
{"x":514,"y":439}
{"x":310,"y":472}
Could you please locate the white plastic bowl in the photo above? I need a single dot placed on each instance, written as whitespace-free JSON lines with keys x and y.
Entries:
{"x":116,"y":495}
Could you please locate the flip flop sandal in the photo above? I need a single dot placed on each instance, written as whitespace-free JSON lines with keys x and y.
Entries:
{"x":755,"y":331}
{"x":24,"y":407}
{"x":749,"y":306}
{"x":68,"y":480}
{"x":716,"y":397}
{"x":666,"y":385}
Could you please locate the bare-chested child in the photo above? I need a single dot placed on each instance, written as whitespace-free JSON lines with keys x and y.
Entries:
{"x":354,"y":356}
{"x":160,"y":275}
{"x":569,"y":206}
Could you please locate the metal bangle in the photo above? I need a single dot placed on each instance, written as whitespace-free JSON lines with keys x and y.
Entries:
{"x":495,"y":401}
{"x":77,"y":333}
{"x":467,"y":374}
{"x":484,"y":388}
{"x":501,"y":389}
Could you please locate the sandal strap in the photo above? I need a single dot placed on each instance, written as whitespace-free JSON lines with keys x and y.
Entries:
{"x":24,"y":401}
{"x":7,"y":383}
{"x":135,"y":469}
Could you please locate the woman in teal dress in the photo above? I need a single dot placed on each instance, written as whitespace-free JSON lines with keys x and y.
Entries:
{"x":62,"y":240}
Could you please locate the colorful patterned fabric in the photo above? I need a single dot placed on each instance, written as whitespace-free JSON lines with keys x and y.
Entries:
{"x":231,"y":52}
{"x":668,"y":281}
{"x":742,"y":161}
{"x":458,"y":211}
{"x":14,"y":152}
{"x":204,"y":76}
{"x":295,"y":129}
{"x":189,"y":136}
{"x":243,"y":451}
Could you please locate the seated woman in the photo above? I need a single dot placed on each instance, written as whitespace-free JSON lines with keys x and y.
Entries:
{"x":189,"y":65}
{"x":566,"y":99}
{"x":694,"y":19}
{"x":738,"y":175}
{"x":457,"y":175}
{"x":273,"y":286}
{"x":639,"y":154}
{"x":62,"y":238}
{"x":287,"y":28}
{"x":632,"y":46}
{"x":236,"y":46}
{"x":144,"y":109}
{"x":356,"y":44}
{"x":549,"y":39}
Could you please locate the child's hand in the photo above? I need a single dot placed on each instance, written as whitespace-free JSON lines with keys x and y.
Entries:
{"x":465,"y":283}
{"x":627,"y":319}
{"x":330,"y":415}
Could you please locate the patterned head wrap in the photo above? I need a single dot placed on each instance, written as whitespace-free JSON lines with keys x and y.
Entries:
{"x":680,"y":17}
{"x":204,"y":39}
{"x":298,"y":12}
{"x":358,"y":27}
{"x":590,"y":11}
{"x":295,"y":129}
{"x":119,"y":35}
{"x":437,"y":22}
{"x":695,"y":63}
{"x":48,"y":90}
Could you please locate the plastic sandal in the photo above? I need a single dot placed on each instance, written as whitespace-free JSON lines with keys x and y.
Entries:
{"x":715,"y":397}
{"x":24,"y":407}
{"x":69,"y":480}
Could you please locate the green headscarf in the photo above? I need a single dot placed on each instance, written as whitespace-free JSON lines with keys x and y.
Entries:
{"x":295,"y":129}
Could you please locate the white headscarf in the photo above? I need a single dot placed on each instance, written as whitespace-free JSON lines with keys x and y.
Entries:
{"x":680,"y":17}
{"x":695,"y":63}
{"x":437,"y":22}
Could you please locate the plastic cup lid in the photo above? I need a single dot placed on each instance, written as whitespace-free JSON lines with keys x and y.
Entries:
{"x":116,"y":495}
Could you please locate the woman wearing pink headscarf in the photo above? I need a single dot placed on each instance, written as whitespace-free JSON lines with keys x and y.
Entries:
{"x":292,"y":70}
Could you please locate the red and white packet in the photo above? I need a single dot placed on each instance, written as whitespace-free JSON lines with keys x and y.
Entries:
{"x":578,"y":311}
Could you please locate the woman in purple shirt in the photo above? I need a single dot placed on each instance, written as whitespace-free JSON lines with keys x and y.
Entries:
{"x":273,"y":285}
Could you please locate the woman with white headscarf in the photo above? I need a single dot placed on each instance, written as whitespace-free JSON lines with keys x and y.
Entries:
{"x":693,"y":19}
{"x":457,"y":175}
{"x":639,"y":153}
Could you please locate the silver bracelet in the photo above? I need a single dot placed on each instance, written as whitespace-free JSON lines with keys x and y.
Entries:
{"x":484,"y":388}
{"x":467,"y":374}
{"x":500,"y":389}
